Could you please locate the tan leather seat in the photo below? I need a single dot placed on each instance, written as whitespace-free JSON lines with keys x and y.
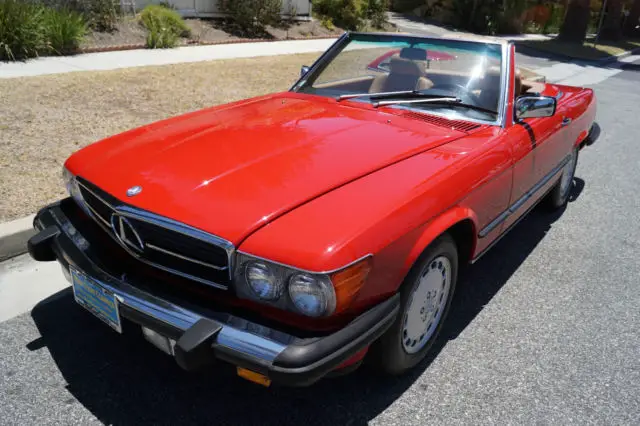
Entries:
{"x":532,"y":87}
{"x":489,"y":86}
{"x":404,"y":74}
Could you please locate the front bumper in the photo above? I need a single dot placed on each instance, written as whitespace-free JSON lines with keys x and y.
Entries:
{"x":204,"y":335}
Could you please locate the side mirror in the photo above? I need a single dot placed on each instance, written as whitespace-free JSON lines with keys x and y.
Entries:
{"x":304,"y":69}
{"x":531,"y":106}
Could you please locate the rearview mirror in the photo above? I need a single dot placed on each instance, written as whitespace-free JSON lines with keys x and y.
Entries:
{"x":531,"y":106}
{"x":303,"y":70}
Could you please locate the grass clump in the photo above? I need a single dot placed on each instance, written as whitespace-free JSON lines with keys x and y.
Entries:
{"x":164,"y":25}
{"x":63,"y":29}
{"x":30,"y":29}
{"x":21,"y":30}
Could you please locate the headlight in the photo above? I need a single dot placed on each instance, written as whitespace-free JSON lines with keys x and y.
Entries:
{"x":292,"y":289}
{"x":312,"y":295}
{"x":262,"y":281}
{"x":71,"y":184}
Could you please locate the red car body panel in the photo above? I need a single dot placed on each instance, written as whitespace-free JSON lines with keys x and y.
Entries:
{"x":253,"y":162}
{"x":314,"y":183}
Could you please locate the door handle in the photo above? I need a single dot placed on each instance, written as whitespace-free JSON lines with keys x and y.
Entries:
{"x":566,"y":121}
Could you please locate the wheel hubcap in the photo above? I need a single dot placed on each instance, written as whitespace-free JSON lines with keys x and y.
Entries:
{"x":567,"y":175}
{"x":426,"y":304}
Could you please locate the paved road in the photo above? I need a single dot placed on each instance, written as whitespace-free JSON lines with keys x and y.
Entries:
{"x":545,"y":329}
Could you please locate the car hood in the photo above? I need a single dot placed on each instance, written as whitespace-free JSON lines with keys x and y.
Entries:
{"x":230,"y":170}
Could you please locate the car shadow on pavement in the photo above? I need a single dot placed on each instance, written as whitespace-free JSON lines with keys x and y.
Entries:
{"x":124,"y":380}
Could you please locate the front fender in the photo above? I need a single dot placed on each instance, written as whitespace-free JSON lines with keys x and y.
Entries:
{"x":438,"y":226}
{"x":394,"y":262}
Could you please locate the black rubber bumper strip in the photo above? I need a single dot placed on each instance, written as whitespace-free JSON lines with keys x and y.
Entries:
{"x":39,"y":246}
{"x":303,"y":364}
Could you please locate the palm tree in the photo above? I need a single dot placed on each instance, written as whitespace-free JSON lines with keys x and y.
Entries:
{"x":632,"y":20}
{"x":612,"y":28}
{"x":576,"y":21}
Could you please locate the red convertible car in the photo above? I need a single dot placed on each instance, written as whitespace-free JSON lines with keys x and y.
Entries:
{"x":295,"y":235}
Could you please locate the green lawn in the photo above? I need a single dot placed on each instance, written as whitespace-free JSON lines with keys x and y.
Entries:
{"x":585,"y":51}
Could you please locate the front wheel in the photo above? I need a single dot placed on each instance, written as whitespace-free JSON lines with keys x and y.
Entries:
{"x":559,"y":195}
{"x":425,"y":298}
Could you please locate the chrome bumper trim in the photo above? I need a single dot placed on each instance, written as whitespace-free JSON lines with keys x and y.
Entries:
{"x":177,"y":317}
{"x":237,"y":334}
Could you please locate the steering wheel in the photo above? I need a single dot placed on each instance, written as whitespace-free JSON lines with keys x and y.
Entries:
{"x":467,"y":96}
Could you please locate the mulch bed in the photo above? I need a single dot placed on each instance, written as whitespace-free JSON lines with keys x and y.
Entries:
{"x":129,"y":34}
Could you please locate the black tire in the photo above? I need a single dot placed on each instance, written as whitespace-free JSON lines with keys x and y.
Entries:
{"x":559,"y":196}
{"x":388,"y":354}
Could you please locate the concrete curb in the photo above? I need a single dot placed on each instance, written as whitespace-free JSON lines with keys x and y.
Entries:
{"x":14,"y":236}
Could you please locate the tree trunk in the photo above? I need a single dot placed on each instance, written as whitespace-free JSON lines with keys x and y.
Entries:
{"x":576,"y":22}
{"x":632,"y":20}
{"x":611,"y":27}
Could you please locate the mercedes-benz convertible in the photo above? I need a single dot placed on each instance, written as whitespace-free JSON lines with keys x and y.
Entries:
{"x":296,"y":235}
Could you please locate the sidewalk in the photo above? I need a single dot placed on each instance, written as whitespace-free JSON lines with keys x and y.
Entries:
{"x":145,"y":57}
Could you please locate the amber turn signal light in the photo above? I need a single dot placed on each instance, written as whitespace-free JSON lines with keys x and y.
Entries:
{"x":348,"y":282}
{"x":254,"y":377}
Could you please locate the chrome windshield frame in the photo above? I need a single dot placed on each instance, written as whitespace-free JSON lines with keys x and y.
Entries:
{"x":502,"y":115}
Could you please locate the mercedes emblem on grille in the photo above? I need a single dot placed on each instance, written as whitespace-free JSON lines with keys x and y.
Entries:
{"x":134,"y":190}
{"x":126,"y":233}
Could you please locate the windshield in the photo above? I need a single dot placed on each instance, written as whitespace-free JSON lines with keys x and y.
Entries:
{"x":404,"y":67}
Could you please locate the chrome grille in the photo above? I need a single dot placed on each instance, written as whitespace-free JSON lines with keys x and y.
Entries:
{"x":100,"y":208}
{"x":159,"y":241}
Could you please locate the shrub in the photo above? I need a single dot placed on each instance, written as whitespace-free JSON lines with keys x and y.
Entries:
{"x":63,"y":30}
{"x":102,"y":15}
{"x":376,"y":12}
{"x":160,"y":38}
{"x":352,"y":14}
{"x":347,"y":14}
{"x":21,"y":32}
{"x":164,"y":26}
{"x":327,"y":23}
{"x":251,"y":16}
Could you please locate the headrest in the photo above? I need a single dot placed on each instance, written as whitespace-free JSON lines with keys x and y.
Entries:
{"x":518,"y":75}
{"x":413,"y":53}
{"x":405,"y":66}
{"x":493,"y":71}
{"x":490,"y":79}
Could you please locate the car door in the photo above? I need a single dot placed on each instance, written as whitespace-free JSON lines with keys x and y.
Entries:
{"x":552,"y":142}
{"x":549,"y":140}
{"x":524,"y":171}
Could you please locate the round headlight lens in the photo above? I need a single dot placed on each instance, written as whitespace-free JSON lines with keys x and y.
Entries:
{"x":311,"y":295}
{"x":262,"y":281}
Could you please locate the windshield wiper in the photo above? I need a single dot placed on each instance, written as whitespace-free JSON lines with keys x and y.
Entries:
{"x":440,"y":99}
{"x":377,"y":95}
{"x":452,"y":101}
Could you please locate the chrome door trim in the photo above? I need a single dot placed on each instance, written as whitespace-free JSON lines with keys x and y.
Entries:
{"x":505,"y":118}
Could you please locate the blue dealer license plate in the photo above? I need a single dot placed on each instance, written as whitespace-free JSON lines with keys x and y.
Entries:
{"x":97,"y":300}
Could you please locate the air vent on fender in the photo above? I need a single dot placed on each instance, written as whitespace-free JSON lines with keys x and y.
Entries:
{"x":463,"y":126}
